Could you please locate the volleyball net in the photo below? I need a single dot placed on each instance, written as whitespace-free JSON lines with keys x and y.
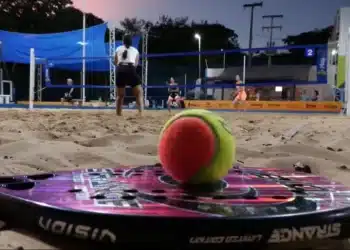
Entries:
{"x":279,"y":73}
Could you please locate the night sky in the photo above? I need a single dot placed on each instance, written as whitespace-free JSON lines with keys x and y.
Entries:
{"x":299,"y":15}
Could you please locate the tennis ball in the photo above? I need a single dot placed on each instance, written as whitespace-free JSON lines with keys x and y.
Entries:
{"x":196,"y":147}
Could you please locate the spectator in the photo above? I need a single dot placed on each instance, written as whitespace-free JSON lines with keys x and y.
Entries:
{"x":68,"y":96}
{"x":197,"y":90}
{"x":174,"y":97}
{"x":304,"y":96}
{"x":316,"y":96}
{"x":257,"y":95}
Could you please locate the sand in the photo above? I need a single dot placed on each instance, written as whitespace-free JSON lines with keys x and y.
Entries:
{"x":43,"y":141}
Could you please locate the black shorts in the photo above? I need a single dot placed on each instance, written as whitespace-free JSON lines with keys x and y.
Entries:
{"x":174,"y":94}
{"x":127,"y":76}
{"x":67,"y":97}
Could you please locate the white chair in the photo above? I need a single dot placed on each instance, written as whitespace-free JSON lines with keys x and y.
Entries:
{"x":5,"y":99}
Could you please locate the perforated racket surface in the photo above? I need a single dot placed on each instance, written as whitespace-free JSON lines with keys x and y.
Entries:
{"x":143,"y":208}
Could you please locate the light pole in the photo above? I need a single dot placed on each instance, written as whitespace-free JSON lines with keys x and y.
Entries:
{"x":223,"y":59}
{"x":199,"y":38}
{"x":252,"y":8}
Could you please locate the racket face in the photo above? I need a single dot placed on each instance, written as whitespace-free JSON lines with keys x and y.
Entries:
{"x":252,"y":202}
{"x":147,"y":191}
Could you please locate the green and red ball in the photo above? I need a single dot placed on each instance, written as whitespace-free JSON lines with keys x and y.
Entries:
{"x":196,"y":147}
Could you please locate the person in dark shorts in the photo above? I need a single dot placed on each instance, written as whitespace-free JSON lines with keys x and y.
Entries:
{"x":68,"y":96}
{"x":174,"y":95}
{"x":126,"y":60}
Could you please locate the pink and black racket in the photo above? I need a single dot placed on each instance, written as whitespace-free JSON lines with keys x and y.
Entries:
{"x":142,"y":208}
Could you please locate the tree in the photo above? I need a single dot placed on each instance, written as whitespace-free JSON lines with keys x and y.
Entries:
{"x":37,"y":16}
{"x":176,"y":34}
{"x":179,"y":22}
{"x":69,"y":19}
{"x":29,"y":15}
{"x":135,"y":26}
{"x":317,"y":36}
{"x":19,"y":8}
{"x":169,"y":35}
{"x":42,"y":16}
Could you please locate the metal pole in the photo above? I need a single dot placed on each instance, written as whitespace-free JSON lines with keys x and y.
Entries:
{"x":39,"y":81}
{"x":270,"y":43}
{"x":31,"y":78}
{"x":251,"y":37}
{"x":185,"y":91}
{"x":244,"y":68}
{"x":146,"y":64}
{"x":144,"y":61}
{"x":252,"y":8}
{"x":347,"y":76}
{"x":224,"y":62}
{"x":271,"y":28}
{"x":199,"y":57}
{"x":84,"y":57}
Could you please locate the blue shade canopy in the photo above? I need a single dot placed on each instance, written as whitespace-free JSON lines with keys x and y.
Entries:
{"x":94,"y":63}
{"x":61,"y":50}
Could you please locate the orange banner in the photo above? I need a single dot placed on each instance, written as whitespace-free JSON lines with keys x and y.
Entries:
{"x":334,"y":107}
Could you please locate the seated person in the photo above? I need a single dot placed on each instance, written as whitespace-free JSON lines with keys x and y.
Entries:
{"x":304,"y":96}
{"x":316,"y":96}
{"x":174,"y":98}
{"x":68,"y":97}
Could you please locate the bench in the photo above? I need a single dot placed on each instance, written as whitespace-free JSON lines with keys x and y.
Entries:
{"x":5,"y":99}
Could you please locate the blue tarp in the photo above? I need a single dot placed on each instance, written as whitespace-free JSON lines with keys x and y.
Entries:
{"x":61,"y":50}
{"x":97,"y":63}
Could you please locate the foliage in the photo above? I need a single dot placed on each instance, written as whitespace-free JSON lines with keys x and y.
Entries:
{"x":317,"y":36}
{"x":171,"y":35}
{"x":166,"y":35}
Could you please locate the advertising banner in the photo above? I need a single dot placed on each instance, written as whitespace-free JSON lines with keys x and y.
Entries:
{"x":328,"y":107}
{"x":321,"y":65}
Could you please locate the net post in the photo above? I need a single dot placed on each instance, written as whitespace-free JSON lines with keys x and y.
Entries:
{"x":244,"y":67}
{"x":347,"y":74}
{"x":185,"y":91}
{"x":31,"y":78}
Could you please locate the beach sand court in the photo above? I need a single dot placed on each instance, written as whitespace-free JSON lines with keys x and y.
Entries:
{"x":43,"y":141}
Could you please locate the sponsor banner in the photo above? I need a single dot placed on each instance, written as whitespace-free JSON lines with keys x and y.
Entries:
{"x":267,"y":105}
{"x":322,"y":65}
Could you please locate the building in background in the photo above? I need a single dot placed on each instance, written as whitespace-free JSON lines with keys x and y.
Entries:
{"x":337,"y":48}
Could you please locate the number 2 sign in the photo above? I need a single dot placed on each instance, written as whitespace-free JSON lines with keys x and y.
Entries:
{"x":309,"y":52}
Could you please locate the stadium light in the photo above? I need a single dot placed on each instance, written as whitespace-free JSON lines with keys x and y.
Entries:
{"x":199,"y":38}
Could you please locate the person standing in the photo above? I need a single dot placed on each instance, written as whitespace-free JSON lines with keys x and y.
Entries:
{"x":126,"y":60}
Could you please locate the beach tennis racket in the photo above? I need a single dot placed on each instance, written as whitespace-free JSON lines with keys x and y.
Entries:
{"x":143,"y":208}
